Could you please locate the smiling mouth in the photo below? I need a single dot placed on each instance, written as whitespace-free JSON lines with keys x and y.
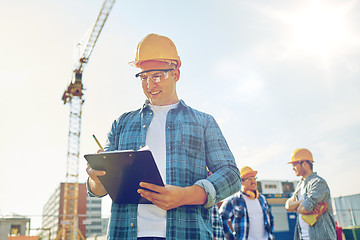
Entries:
{"x":155,"y":93}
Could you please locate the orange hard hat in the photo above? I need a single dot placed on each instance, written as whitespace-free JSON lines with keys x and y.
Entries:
{"x":301,"y":154}
{"x":158,"y":48}
{"x":246,"y":172}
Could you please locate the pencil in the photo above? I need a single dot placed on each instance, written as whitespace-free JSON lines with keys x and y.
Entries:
{"x":98,"y":143}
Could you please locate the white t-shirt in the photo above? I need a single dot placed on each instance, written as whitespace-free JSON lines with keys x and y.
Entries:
{"x":151,"y":220}
{"x":256,"y":219}
{"x":303,"y":225}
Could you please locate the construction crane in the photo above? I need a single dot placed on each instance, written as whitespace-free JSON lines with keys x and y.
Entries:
{"x":74,"y":96}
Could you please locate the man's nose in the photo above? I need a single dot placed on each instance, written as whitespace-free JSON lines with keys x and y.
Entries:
{"x":150,"y":83}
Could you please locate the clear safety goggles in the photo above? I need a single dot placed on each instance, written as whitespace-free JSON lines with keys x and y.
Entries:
{"x":250,"y":178}
{"x":156,"y":75}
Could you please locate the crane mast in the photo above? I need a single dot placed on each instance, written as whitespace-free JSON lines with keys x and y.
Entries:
{"x":74,"y":96}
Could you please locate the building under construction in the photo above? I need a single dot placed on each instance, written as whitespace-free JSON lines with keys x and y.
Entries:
{"x":89,"y":214}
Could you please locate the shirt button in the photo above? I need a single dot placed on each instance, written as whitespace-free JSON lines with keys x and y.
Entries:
{"x":144,"y":126}
{"x":132,"y":224}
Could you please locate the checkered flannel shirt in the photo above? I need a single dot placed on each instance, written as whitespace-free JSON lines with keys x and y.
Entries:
{"x":193,"y":141}
{"x":316,"y":190}
{"x":218,"y":230}
{"x":234,"y":209}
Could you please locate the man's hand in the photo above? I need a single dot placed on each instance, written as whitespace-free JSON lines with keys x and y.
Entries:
{"x":94,"y":183}
{"x":94,"y":174}
{"x":302,"y":210}
{"x":170,"y":196}
{"x":292,"y":204}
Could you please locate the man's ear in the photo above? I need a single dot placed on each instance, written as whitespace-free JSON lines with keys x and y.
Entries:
{"x":176,"y":74}
{"x":305,"y":163}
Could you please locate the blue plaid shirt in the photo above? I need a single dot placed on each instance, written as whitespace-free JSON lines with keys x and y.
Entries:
{"x":193,"y":141}
{"x":218,"y":230}
{"x":234,"y":209}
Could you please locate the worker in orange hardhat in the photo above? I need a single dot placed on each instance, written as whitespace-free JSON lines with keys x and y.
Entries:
{"x":248,"y":210}
{"x":311,"y":200}
{"x":158,"y":59}
{"x":183,"y":142}
{"x":156,"y":48}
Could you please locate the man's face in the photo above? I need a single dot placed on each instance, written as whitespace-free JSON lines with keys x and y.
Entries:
{"x":163,"y":92}
{"x":249,"y":184}
{"x":298,"y":169}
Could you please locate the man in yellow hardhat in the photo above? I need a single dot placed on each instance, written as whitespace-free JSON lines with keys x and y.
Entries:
{"x":311,"y":200}
{"x":183,"y":141}
{"x":248,"y":210}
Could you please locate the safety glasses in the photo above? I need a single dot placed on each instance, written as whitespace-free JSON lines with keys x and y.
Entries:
{"x":156,"y":75}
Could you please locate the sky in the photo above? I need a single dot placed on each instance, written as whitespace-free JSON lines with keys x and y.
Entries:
{"x":276,"y":76}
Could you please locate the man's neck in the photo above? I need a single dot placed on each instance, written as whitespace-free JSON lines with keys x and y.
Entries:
{"x":307,"y":174}
{"x":170,"y":102}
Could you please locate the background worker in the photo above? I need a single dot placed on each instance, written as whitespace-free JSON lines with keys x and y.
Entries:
{"x":248,"y":210}
{"x":218,"y":230}
{"x":183,"y":142}
{"x":311,"y":193}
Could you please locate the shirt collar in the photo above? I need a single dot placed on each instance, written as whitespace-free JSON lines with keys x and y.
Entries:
{"x":146,"y":105}
{"x":311,"y":176}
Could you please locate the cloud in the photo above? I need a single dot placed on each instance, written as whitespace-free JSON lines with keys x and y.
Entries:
{"x":245,"y":84}
{"x":342,"y":117}
{"x":250,"y":88}
{"x":336,"y":162}
{"x":257,"y":156}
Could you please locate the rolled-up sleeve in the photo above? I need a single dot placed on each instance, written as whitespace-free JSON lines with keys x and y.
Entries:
{"x":210,"y":192}
{"x":318,"y":192}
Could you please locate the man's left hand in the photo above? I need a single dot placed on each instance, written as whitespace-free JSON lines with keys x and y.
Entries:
{"x":170,"y":196}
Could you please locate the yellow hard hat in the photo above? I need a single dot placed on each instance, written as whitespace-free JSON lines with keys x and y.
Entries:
{"x":158,"y":48}
{"x":246,"y":172}
{"x":301,"y":154}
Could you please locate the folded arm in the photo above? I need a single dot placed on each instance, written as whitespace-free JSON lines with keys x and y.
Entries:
{"x":293,"y":205}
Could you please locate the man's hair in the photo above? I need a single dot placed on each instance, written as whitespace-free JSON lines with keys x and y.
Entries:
{"x":308,"y":162}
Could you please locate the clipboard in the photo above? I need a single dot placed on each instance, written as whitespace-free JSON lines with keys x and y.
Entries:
{"x":124,"y":171}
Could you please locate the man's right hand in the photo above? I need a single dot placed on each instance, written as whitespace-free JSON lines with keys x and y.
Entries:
{"x":292,"y":204}
{"x":95,"y":185}
{"x":93,"y":174}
